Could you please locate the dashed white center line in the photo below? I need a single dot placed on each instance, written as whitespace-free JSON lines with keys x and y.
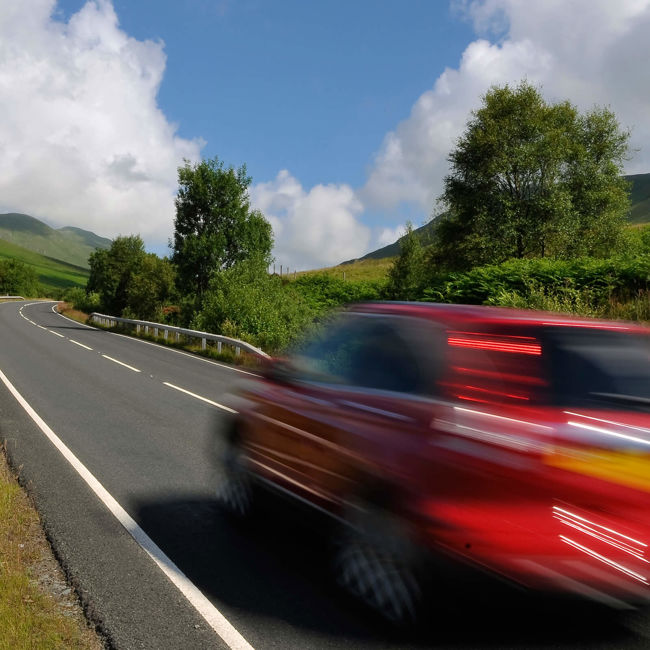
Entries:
{"x":55,"y":333}
{"x":199,"y":397}
{"x":81,"y":345}
{"x":126,"y":365}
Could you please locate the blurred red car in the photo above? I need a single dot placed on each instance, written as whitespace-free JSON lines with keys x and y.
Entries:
{"x":516,"y":441}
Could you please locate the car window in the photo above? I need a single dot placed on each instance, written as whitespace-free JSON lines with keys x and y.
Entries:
{"x":377,"y":352}
{"x":600,"y":366}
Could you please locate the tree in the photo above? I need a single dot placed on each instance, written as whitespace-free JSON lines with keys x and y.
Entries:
{"x":129,"y":281}
{"x":532,"y":179}
{"x":407,"y":272}
{"x":150,"y":287}
{"x":111,"y":270}
{"x":17,"y":278}
{"x":214,"y":226}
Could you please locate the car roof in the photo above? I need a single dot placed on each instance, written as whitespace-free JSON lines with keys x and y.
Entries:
{"x":455,"y":315}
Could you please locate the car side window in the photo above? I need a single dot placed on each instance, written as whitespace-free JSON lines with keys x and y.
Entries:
{"x":370,"y":351}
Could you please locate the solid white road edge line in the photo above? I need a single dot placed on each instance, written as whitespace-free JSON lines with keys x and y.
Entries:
{"x":76,"y":322}
{"x":126,"y":365}
{"x":203,"y":399}
{"x":215,"y":619}
{"x":81,"y":345}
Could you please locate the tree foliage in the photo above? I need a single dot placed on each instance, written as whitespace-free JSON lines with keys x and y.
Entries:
{"x":17,"y":278}
{"x":130,"y":281}
{"x":214,"y":227}
{"x":246,"y":302}
{"x":532,"y":179}
{"x":406,"y":274}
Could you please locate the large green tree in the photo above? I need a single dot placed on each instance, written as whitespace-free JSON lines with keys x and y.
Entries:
{"x":111,"y":270}
{"x":131,"y":282}
{"x":531,"y":178}
{"x":215,"y":226}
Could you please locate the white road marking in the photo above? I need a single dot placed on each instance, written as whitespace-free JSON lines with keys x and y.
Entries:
{"x":43,"y":328}
{"x":81,"y":345}
{"x":126,"y":365}
{"x":161,"y":347}
{"x":215,"y":619}
{"x":199,"y":397}
{"x":186,"y":354}
{"x":76,"y":322}
{"x":55,"y":333}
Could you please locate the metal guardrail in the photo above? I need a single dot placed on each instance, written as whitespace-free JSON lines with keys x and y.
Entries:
{"x":11,"y":298}
{"x":155,"y":328}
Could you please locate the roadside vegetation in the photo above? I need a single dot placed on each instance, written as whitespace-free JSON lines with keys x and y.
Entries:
{"x":26,"y":273}
{"x":533,"y":215}
{"x":37,"y":609}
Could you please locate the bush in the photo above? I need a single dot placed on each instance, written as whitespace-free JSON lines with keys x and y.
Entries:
{"x":244,"y":302}
{"x":322,"y":291}
{"x":619,"y":278}
{"x":79,"y":299}
{"x":17,"y":278}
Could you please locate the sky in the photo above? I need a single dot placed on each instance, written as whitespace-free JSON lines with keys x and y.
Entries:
{"x":344,"y":111}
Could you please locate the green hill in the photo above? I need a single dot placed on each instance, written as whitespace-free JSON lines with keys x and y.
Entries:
{"x":52,"y":274}
{"x":639,"y":213}
{"x":68,"y":244}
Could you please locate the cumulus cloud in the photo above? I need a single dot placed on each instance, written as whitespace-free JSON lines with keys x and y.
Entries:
{"x":313,"y":228}
{"x":387,"y":236}
{"x":587,"y":51}
{"x":83,"y":140}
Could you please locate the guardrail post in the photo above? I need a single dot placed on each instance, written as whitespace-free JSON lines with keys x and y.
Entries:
{"x":165,"y":333}
{"x":219,"y":347}
{"x":137,"y":328}
{"x":237,"y":350}
{"x":146,"y":329}
{"x":203,"y":344}
{"x":155,"y":331}
{"x":178,"y":337}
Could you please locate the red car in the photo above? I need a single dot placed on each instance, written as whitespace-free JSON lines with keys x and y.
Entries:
{"x":515,"y":441}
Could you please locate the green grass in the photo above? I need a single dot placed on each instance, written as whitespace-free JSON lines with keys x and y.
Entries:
{"x":70,"y":245}
{"x":30,"y":615}
{"x":52,"y":274}
{"x":367,"y":270}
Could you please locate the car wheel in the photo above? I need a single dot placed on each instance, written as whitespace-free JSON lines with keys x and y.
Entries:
{"x":234,"y":490}
{"x":375,"y":563}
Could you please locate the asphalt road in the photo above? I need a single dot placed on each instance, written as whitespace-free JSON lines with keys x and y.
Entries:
{"x":134,"y":417}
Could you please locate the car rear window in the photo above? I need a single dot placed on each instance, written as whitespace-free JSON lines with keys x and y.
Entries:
{"x":608,"y":368}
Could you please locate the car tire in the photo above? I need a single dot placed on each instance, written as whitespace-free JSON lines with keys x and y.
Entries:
{"x":375,"y":562}
{"x":235,"y":490}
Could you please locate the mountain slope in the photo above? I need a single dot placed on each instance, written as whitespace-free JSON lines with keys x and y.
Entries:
{"x":68,"y":244}
{"x":639,"y":213}
{"x":52,"y":274}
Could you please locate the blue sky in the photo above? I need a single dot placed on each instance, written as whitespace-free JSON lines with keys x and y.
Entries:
{"x":344,"y":112}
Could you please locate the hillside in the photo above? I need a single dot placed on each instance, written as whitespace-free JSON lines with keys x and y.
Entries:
{"x":68,"y":244}
{"x":639,"y":213}
{"x":52,"y":274}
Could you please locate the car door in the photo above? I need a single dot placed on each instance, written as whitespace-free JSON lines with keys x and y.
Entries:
{"x":366,"y":418}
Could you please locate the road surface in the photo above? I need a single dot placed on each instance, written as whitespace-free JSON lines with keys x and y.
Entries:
{"x":114,"y":437}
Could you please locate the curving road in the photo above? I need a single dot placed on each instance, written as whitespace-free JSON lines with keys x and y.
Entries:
{"x":118,"y":453}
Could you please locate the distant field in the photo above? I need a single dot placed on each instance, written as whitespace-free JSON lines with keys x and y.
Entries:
{"x":368,"y":269}
{"x":52,"y":274}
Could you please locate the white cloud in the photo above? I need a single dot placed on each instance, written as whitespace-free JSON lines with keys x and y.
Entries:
{"x":83,"y":141}
{"x":387,"y":236}
{"x":587,"y":51}
{"x":314,"y":228}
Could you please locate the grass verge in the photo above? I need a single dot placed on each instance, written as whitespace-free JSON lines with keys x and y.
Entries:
{"x":227,"y":354}
{"x":37,"y":608}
